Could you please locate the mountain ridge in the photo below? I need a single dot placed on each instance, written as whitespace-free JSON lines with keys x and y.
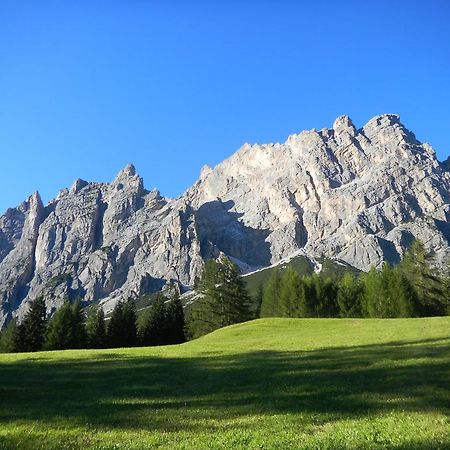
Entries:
{"x":359,"y":195}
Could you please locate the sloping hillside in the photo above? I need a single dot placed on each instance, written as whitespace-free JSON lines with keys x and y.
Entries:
{"x":266,"y":384}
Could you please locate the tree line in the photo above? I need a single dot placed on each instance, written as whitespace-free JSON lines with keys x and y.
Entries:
{"x":409,"y":289}
{"x":71,"y":327}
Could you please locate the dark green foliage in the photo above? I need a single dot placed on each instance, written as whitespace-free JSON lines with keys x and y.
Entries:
{"x":66,"y":329}
{"x":410,"y":289}
{"x":96,"y":329}
{"x":223,"y":299}
{"x":59,"y":332}
{"x":258,"y":299}
{"x":79,"y":334}
{"x":8,"y":338}
{"x":122,"y":331}
{"x":163,"y":323}
{"x":153,"y":325}
{"x":175,"y":321}
{"x":324,"y":301}
{"x":270,"y":306}
{"x":289,"y":293}
{"x":30,"y":333}
{"x":429,"y":287}
{"x":349,"y":296}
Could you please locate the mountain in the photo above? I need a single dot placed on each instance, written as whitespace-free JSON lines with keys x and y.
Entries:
{"x":356,"y":195}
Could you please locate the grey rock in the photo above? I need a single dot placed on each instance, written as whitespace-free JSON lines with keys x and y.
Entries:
{"x":357,"y":195}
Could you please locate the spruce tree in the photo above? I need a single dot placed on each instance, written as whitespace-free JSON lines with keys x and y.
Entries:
{"x":428,"y":285}
{"x":270,"y":306}
{"x":258,"y":300}
{"x":290,"y":293}
{"x":79,"y":336}
{"x":96,"y":329}
{"x":175,"y":321}
{"x":59,"y":334}
{"x":349,"y":296}
{"x":153,"y":327}
{"x":325,"y":292}
{"x":223,"y":299}
{"x":31,"y":331}
{"x":121,"y":331}
{"x":403,"y":293}
{"x":307,"y":297}
{"x":372,"y":293}
{"x":8,"y":338}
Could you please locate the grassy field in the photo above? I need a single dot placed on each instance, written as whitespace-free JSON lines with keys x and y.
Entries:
{"x":266,"y":384}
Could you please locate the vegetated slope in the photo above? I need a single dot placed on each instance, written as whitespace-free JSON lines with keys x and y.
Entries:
{"x":302,"y":265}
{"x":268,"y":384}
{"x":357,"y":195}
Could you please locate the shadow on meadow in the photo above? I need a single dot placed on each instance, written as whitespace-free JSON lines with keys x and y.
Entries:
{"x":177,"y":394}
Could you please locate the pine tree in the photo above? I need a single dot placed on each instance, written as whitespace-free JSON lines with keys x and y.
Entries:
{"x":59,"y":334}
{"x":270,"y":306}
{"x":223,"y":299}
{"x":428,"y":285}
{"x":153,"y":327}
{"x":372,"y":292}
{"x":175,"y":321}
{"x":96,"y":329}
{"x":258,"y":300}
{"x":8,"y":338}
{"x":307,"y":297}
{"x":236,"y":303}
{"x":79,"y":335}
{"x":349,"y":296}
{"x":31,"y":331}
{"x":325,"y":293}
{"x":122,"y":330}
{"x":403,"y":293}
{"x":290,"y":293}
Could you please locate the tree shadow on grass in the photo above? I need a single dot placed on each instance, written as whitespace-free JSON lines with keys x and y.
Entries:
{"x":205,"y":393}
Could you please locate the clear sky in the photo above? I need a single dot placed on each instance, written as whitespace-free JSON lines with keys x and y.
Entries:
{"x":88,"y":86}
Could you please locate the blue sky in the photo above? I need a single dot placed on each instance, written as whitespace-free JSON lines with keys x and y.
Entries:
{"x":88,"y":86}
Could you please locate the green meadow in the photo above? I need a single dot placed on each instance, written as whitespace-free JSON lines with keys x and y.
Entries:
{"x":264,"y":384}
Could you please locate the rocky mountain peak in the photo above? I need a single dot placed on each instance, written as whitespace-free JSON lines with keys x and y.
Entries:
{"x":357,"y":195}
{"x":77,"y":185}
{"x":128,"y":171}
{"x":343,"y":124}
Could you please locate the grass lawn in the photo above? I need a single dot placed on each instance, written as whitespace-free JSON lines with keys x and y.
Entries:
{"x":265,"y":384}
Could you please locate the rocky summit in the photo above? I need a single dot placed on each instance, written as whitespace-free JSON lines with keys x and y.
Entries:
{"x":357,"y":195}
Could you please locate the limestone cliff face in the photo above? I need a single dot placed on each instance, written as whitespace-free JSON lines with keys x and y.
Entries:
{"x":357,"y":195}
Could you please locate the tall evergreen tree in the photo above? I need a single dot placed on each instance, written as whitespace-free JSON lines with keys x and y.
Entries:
{"x":153,"y":327}
{"x":289,"y":299}
{"x":8,"y":338}
{"x":31,"y":331}
{"x":372,"y":292}
{"x":325,"y":292}
{"x":223,"y":299}
{"x":175,"y":321}
{"x":121,"y":331}
{"x":270,"y":306}
{"x":79,"y":335}
{"x":59,"y":334}
{"x":258,"y":300}
{"x":403,"y":294}
{"x":428,"y":285}
{"x":349,"y":296}
{"x":96,"y":329}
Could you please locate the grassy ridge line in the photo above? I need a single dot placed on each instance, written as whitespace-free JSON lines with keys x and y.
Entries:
{"x":275,"y":334}
{"x":266,"y":384}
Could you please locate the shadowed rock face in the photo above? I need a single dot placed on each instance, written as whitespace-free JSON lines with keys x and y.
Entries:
{"x":357,"y":195}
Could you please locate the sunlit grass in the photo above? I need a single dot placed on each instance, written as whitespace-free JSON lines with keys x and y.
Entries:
{"x":266,"y":384}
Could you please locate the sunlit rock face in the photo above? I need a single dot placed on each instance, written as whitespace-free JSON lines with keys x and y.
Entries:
{"x":359,"y":195}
